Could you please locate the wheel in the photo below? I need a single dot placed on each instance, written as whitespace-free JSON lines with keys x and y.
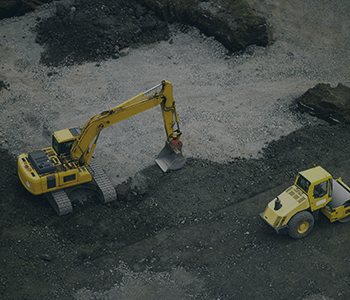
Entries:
{"x":300,"y":225}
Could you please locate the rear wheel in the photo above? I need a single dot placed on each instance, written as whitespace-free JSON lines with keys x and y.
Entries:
{"x":301,"y":225}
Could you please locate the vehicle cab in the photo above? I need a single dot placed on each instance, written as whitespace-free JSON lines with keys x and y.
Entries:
{"x":316,"y":183}
{"x":63,"y":140}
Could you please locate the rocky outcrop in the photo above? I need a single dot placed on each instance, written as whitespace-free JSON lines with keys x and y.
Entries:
{"x":323,"y":101}
{"x":231,"y":22}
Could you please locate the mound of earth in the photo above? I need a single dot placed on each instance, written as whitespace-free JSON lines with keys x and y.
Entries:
{"x":232,"y":23}
{"x":14,"y":8}
{"x":323,"y":101}
{"x":97,"y":30}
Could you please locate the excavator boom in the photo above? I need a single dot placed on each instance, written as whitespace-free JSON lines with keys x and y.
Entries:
{"x":162,"y":95}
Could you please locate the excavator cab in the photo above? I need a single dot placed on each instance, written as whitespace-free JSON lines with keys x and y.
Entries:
{"x":63,"y":140}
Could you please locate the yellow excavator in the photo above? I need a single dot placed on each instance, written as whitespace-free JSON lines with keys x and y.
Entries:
{"x":293,"y":211}
{"x":68,"y":165}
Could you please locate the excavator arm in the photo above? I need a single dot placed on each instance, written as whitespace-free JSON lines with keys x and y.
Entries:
{"x":169,"y":158}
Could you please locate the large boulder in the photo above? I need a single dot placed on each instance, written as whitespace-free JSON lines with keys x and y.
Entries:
{"x":323,"y":101}
{"x":231,"y":22}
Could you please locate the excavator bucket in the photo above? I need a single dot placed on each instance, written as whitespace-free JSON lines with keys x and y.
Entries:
{"x":170,"y":158}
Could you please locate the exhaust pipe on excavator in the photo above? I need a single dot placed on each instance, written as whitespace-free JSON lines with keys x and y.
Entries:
{"x":171,"y":158}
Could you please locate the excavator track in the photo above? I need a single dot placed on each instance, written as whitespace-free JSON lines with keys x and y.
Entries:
{"x":106,"y":191}
{"x":60,"y":202}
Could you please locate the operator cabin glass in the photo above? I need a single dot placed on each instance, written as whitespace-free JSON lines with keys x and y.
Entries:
{"x":303,"y":183}
{"x":63,"y":148}
{"x":320,"y":190}
{"x":55,"y":144}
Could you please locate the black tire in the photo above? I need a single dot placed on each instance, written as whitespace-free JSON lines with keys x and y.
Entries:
{"x":300,"y":225}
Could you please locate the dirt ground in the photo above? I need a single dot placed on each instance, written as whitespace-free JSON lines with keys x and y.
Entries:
{"x":194,"y":233}
{"x":149,"y":247}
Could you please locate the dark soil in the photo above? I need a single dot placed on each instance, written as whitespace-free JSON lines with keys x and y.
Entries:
{"x":203,"y":218}
{"x":97,"y":30}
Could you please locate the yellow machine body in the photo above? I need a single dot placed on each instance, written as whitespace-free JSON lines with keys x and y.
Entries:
{"x":292,"y":200}
{"x":299,"y":197}
{"x":314,"y":190}
{"x":66,"y":163}
{"x":63,"y":174}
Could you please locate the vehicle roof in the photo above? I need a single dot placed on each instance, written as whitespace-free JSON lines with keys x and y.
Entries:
{"x":63,"y":135}
{"x":315,"y":174}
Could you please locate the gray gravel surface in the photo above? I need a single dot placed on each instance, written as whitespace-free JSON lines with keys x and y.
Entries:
{"x":229,"y":106}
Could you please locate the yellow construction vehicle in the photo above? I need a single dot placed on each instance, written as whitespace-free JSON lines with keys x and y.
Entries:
{"x":293,"y":212}
{"x":67,"y":165}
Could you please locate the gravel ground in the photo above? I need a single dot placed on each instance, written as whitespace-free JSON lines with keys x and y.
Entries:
{"x":235,"y":104}
{"x":195,"y":234}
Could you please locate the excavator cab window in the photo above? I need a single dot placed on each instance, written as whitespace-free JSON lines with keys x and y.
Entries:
{"x":62,"y":148}
{"x":303,"y":183}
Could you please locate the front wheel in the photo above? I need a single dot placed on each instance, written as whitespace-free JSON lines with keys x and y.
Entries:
{"x":300,"y":225}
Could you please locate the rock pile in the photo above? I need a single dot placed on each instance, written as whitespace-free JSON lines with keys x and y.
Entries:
{"x":323,"y":101}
